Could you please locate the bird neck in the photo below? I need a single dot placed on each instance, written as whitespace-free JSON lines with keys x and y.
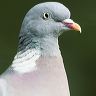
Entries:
{"x":47,"y":45}
{"x":30,"y":50}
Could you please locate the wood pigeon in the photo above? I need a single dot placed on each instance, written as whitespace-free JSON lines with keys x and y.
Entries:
{"x":38,"y":68}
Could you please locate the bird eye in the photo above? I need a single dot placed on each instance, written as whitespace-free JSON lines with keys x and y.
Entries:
{"x":45,"y":15}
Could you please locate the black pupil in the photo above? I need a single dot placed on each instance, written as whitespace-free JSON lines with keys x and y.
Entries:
{"x":46,"y":15}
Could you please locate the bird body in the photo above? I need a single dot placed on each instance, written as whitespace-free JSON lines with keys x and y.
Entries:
{"x":41,"y":82}
{"x":37,"y":68}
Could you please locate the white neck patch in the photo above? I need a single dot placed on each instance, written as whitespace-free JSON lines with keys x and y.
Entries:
{"x":26,"y":62}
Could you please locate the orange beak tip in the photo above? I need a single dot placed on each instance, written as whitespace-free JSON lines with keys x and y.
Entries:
{"x":76,"y":27}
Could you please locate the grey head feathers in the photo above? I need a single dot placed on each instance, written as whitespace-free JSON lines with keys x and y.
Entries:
{"x":42,"y":33}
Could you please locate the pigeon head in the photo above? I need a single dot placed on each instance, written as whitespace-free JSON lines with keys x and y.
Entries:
{"x":44,"y":23}
{"x":50,"y":18}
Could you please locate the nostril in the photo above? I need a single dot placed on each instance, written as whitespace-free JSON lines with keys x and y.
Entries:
{"x":68,"y":21}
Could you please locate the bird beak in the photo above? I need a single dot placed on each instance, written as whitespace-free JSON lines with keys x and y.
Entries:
{"x":72,"y":25}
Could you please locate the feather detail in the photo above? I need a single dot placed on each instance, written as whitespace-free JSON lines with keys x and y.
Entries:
{"x":26,"y":62}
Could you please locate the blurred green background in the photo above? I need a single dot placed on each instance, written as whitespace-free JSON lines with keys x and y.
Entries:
{"x":78,"y":50}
